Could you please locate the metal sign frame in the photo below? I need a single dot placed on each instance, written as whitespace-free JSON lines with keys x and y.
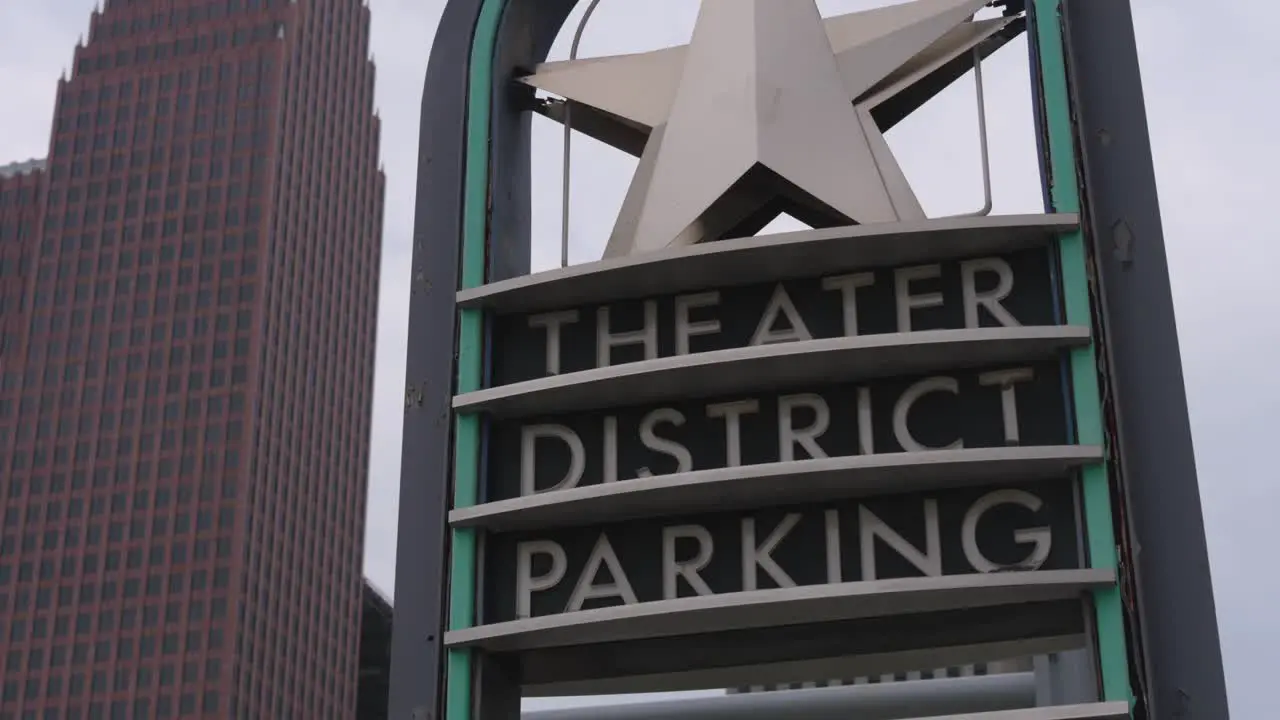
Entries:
{"x":471,"y":228}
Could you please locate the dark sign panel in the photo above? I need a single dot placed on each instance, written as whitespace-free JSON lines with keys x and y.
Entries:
{"x":997,"y":291}
{"x":992,"y":407}
{"x":722,"y":549}
{"x":973,"y":530}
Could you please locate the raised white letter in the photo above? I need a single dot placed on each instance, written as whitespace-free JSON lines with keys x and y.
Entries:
{"x":610,"y":449}
{"x":780,"y":304}
{"x":870,"y":527}
{"x":686,"y":328}
{"x":526,"y":583}
{"x":529,"y":436}
{"x":732,"y":413}
{"x":1008,"y":397}
{"x":866,"y":432}
{"x":606,"y":340}
{"x":832,"y":526}
{"x":906,"y":302}
{"x":586,"y":588}
{"x":684,"y":461}
{"x":788,"y":435}
{"x":848,"y":286}
{"x":902,"y":409}
{"x":687,"y":569}
{"x":762,"y":555}
{"x":991,"y":298}
{"x":551,"y":322}
{"x":1041,"y":538}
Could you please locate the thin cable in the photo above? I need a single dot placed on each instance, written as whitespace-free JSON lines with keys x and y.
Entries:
{"x":982,"y":138}
{"x":568,"y":127}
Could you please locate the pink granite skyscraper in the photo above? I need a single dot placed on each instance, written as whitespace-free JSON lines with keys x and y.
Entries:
{"x":189,"y":287}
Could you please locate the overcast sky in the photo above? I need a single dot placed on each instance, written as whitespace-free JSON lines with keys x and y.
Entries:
{"x":1209,"y":71}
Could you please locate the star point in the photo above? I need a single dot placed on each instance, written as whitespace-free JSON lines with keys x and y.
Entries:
{"x":769,"y":108}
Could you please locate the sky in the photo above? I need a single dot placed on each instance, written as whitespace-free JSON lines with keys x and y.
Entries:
{"x":1204,"y":67}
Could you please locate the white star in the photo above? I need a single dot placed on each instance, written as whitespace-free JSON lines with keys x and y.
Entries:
{"x":755,"y":114}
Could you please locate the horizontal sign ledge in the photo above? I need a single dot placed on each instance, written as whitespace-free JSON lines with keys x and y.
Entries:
{"x":768,"y":257}
{"x":840,"y":359}
{"x":1089,"y":711}
{"x":797,"y":481}
{"x":787,"y":606}
{"x":799,"y":671}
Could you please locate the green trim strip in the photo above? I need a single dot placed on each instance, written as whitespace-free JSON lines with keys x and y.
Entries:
{"x":1064,"y":194}
{"x":466,"y":454}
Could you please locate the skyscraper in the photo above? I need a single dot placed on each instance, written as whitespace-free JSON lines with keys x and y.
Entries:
{"x":189,"y":298}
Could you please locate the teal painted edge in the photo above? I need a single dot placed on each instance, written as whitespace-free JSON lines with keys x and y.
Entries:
{"x":1113,"y":654}
{"x":459,"y":700}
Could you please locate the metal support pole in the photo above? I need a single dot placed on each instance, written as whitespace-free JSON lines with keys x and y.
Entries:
{"x":1177,"y":622}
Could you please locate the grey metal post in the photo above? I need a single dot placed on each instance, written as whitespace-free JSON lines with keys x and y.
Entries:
{"x":422,"y":580}
{"x":1066,"y":678}
{"x":1178,"y":624}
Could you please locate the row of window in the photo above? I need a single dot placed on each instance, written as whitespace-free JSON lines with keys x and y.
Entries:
{"x":77,"y":118}
{"x":232,"y":217}
{"x":79,"y":654}
{"x":112,"y":392}
{"x":103,"y":476}
{"x":227,"y":297}
{"x":104,"y":92}
{"x":124,"y":293}
{"x":191,"y":361}
{"x":144,"y":677}
{"x":114,"y":186}
{"x":144,"y":146}
{"x":52,"y":374}
{"x":128,"y":286}
{"x":121,"y":135}
{"x":111,"y":619}
{"x":203,"y":550}
{"x":189,"y":408}
{"x":195,"y":11}
{"x":16,"y":231}
{"x":51,"y":538}
{"x":118,"y":532}
{"x":215,"y":434}
{"x":99,"y":166}
{"x":84,"y":454}
{"x":37,"y":486}
{"x":131,"y":587}
{"x":142,"y":708}
{"x":190,"y":248}
{"x":167,"y":465}
{"x":152,"y":204}
{"x":15,"y":196}
{"x":114,"y":369}
{"x":92,"y":60}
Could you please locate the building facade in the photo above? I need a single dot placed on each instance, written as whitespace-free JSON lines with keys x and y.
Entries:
{"x":189,"y":290}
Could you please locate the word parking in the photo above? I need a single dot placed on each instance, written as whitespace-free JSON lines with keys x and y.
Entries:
{"x":975,"y":530}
